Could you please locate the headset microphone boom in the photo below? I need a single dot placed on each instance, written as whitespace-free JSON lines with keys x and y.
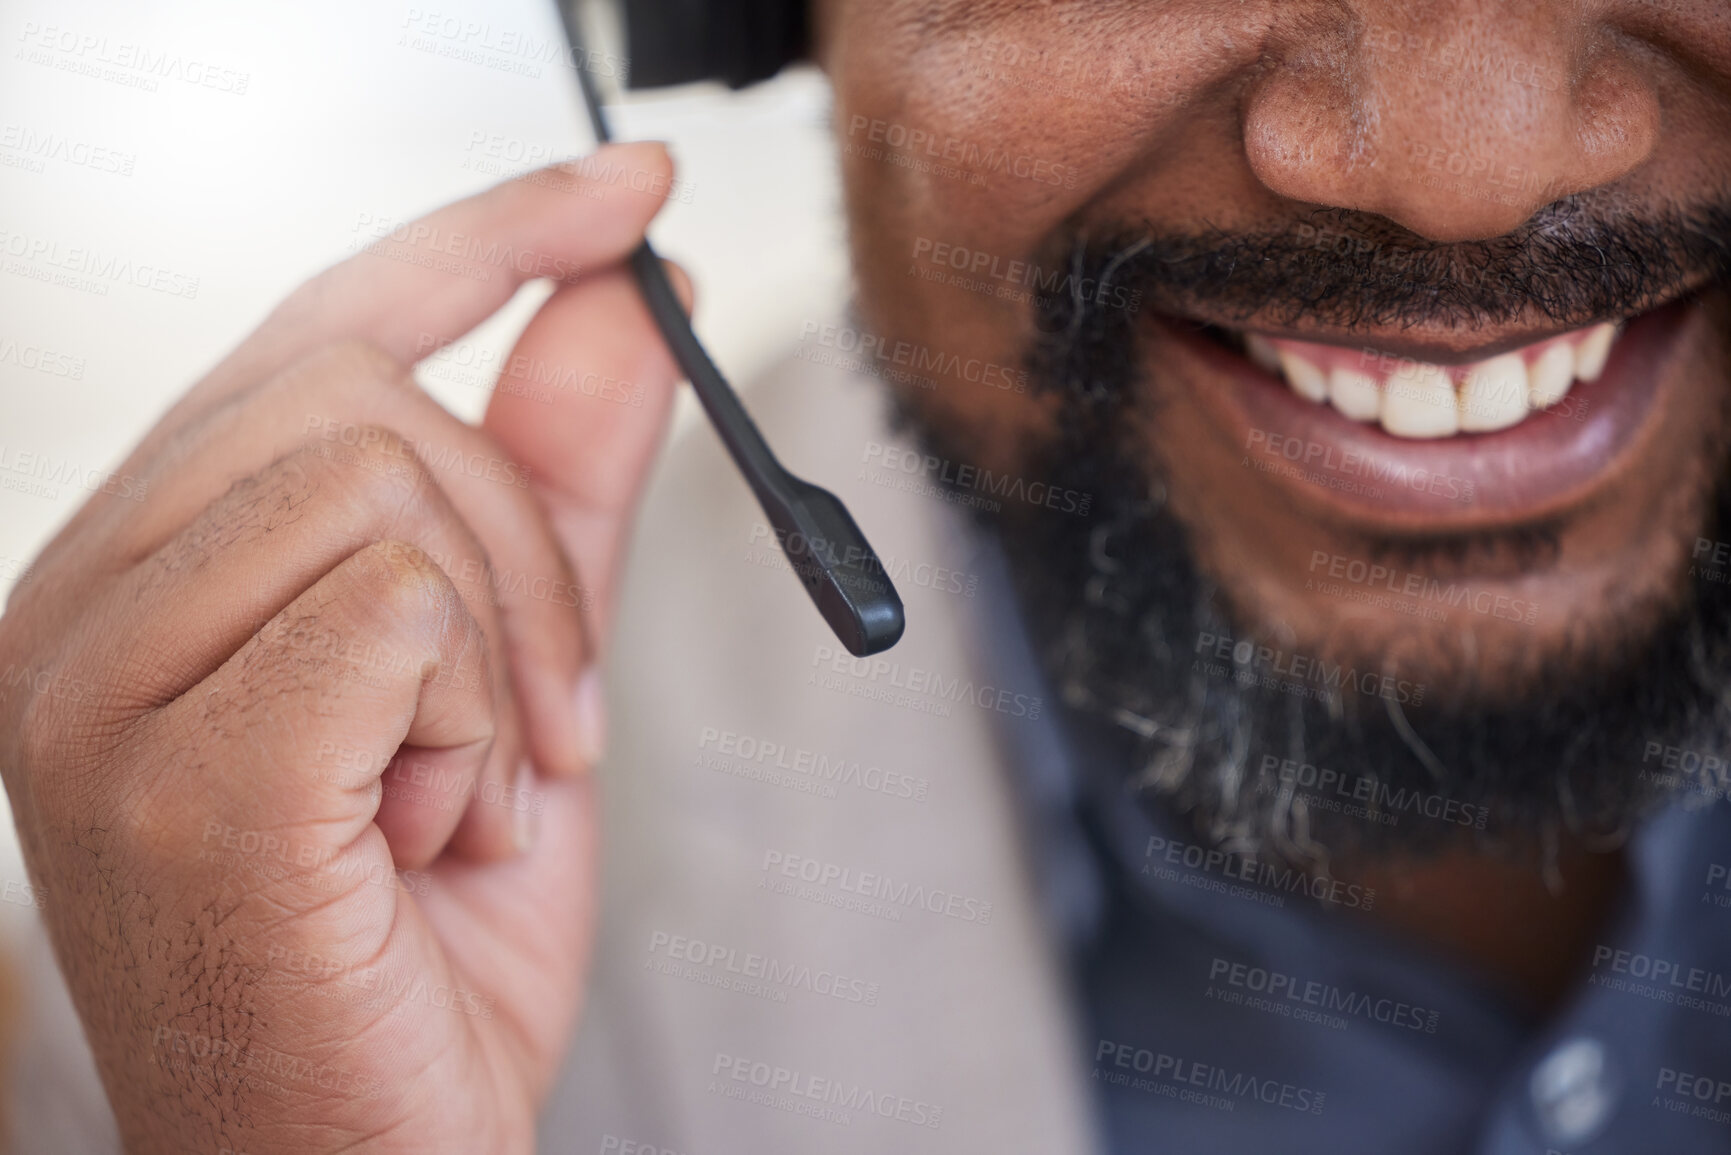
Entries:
{"x":824,"y":544}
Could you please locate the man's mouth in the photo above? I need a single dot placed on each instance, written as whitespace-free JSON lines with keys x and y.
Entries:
{"x":1414,"y":398}
{"x":1441,"y":436}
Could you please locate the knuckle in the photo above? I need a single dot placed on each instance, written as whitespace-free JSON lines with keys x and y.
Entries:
{"x":394,"y":584}
{"x":400,"y":500}
{"x":382,"y":476}
{"x":381,"y":617}
{"x":375,"y":465}
{"x":414,"y":617}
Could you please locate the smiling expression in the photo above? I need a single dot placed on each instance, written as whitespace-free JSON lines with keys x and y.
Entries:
{"x":1478,"y":414}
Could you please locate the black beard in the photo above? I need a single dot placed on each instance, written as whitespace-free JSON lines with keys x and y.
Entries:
{"x":1115,"y":606}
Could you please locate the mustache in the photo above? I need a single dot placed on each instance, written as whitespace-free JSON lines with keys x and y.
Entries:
{"x":1574,"y":263}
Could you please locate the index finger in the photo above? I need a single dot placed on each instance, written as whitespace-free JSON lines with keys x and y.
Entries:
{"x":445,"y":273}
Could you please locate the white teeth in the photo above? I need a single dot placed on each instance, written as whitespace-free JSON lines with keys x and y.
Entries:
{"x":1417,"y":400}
{"x":1494,"y":395}
{"x":1306,"y":379}
{"x":1261,"y":353}
{"x":1590,"y":357}
{"x":1421,"y":404}
{"x":1355,"y":394}
{"x":1551,"y":376}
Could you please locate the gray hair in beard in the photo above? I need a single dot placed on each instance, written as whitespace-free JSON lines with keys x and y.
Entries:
{"x":1115,"y":603}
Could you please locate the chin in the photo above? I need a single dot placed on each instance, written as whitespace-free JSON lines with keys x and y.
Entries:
{"x":1270,"y":582}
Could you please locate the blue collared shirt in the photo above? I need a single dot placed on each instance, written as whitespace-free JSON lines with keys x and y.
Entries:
{"x":1227,"y":1011}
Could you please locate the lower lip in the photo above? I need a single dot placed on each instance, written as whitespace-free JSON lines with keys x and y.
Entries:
{"x":1550,"y":463}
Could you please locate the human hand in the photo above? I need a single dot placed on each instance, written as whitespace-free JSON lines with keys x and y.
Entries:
{"x":296,"y":744}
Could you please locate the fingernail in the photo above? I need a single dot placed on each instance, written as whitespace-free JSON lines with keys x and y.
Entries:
{"x":591,"y":709}
{"x":525,"y":823}
{"x":665,"y":146}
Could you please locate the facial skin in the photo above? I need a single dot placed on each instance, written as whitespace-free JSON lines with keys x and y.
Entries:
{"x":1454,"y":166}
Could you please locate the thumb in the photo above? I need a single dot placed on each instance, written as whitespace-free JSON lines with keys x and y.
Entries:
{"x":584,"y":402}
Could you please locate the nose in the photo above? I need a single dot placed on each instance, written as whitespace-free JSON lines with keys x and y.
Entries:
{"x":1456,"y":118}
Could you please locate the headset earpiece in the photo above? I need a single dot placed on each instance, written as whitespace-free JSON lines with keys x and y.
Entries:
{"x":738,"y":42}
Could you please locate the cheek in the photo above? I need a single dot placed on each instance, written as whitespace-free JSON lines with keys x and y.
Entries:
{"x":988,"y":125}
{"x":969,"y":134}
{"x":954,"y":176}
